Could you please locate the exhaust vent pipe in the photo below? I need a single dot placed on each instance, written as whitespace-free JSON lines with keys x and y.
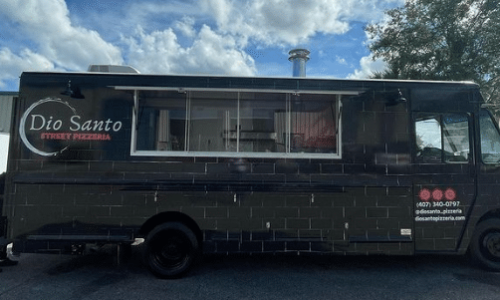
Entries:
{"x":299,"y":58}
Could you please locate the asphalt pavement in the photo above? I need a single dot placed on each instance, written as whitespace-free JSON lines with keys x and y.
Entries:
{"x":99,"y":275}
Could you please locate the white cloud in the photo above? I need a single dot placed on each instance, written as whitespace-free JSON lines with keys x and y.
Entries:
{"x":291,"y":22}
{"x":340,"y":60}
{"x":367,"y":10}
{"x":13,"y":65}
{"x":275,"y":21}
{"x":186,"y":26}
{"x":149,"y":14}
{"x":368,"y":68}
{"x":210,"y":53}
{"x":48,"y":25}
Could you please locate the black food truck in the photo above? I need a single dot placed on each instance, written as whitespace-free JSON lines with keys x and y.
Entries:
{"x":205,"y":164}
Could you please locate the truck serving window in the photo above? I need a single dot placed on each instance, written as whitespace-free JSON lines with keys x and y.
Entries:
{"x":490,"y":139}
{"x":236,"y":124}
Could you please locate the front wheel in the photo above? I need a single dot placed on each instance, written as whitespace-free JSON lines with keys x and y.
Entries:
{"x":485,"y":245}
{"x":170,"y":250}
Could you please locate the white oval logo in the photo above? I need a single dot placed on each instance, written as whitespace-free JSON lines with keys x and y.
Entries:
{"x":40,"y":122}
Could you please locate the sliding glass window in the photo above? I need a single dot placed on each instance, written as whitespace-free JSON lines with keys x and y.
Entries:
{"x":313,"y":124}
{"x":211,"y":117}
{"x":262,"y":127}
{"x":160,"y":122}
{"x":236,"y":124}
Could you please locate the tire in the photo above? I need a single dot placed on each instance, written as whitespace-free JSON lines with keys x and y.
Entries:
{"x":170,"y":250}
{"x":485,"y":245}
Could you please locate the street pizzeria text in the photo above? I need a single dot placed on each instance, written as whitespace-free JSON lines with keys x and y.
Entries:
{"x":66,"y":136}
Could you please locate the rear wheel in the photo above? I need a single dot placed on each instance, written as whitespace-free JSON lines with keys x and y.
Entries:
{"x":485,"y":245}
{"x":170,"y":250}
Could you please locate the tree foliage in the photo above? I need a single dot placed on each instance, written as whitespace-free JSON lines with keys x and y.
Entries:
{"x":441,"y":40}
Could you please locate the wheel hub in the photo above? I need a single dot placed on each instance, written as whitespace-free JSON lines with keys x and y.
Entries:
{"x":173,"y":251}
{"x":492,"y":243}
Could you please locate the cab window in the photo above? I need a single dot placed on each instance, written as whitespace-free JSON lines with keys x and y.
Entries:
{"x":490,"y":139}
{"x":442,"y":138}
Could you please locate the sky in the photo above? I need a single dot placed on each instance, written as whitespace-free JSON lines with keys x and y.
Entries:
{"x":215,"y":37}
{"x":212,"y":37}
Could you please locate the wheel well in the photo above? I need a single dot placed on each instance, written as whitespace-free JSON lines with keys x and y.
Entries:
{"x":171,"y":216}
{"x":490,"y":215}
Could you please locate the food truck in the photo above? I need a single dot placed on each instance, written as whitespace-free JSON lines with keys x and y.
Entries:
{"x":213,"y":164}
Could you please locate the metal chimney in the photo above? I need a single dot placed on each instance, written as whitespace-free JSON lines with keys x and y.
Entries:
{"x":299,"y":58}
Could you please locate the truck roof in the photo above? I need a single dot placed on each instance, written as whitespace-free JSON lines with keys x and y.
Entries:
{"x":217,"y":81}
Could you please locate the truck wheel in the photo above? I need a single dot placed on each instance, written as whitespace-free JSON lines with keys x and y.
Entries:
{"x":485,"y":245}
{"x":170,"y":250}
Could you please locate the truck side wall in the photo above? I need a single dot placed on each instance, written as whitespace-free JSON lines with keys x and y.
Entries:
{"x":92,"y":190}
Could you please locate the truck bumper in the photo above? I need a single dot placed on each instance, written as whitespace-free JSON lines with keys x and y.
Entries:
{"x":3,"y":232}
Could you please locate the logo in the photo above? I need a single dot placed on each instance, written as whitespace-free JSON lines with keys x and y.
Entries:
{"x":437,"y":195}
{"x":50,"y":125}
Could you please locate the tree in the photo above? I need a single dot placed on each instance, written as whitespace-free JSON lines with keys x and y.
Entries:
{"x":441,"y":40}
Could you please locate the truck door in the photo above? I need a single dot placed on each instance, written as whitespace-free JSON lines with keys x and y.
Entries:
{"x":444,"y":181}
